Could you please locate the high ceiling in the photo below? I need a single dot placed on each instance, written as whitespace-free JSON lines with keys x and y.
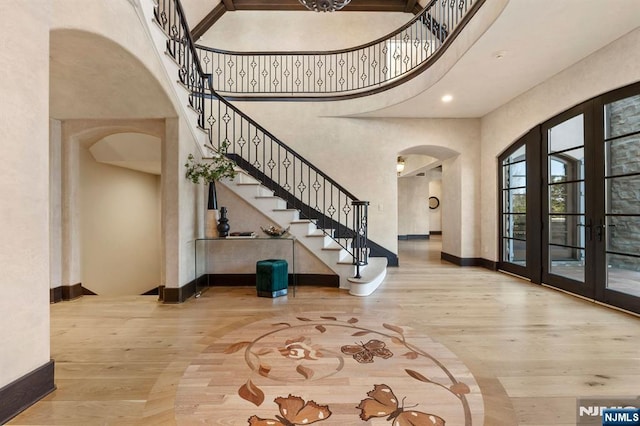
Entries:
{"x":531,"y":41}
{"x":215,"y":12}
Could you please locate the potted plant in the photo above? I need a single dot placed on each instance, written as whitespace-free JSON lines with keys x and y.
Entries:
{"x":210,"y":171}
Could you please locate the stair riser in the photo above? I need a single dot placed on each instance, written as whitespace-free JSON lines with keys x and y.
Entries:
{"x":249,"y":192}
{"x":283,"y":218}
{"x":342,"y":255}
{"x":244,"y":178}
{"x":302,"y":229}
{"x":269,"y":203}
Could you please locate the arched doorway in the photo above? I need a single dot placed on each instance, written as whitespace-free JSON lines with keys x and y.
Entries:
{"x":102,"y":92}
{"x":426,"y":193}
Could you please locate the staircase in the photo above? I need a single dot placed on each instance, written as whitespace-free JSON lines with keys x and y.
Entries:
{"x":323,"y":216}
{"x":307,"y":233}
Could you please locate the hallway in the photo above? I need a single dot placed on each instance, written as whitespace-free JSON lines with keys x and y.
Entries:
{"x":532,"y":350}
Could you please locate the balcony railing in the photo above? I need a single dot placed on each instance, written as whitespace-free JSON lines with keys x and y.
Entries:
{"x":357,"y":71}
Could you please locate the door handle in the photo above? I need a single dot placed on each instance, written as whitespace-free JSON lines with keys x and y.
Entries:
{"x":600,"y":230}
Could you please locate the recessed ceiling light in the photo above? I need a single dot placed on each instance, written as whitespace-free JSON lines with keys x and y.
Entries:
{"x":447,"y":98}
{"x":500,"y":54}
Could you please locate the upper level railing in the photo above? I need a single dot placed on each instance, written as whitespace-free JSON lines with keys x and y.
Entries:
{"x":305,"y":187}
{"x":353,"y":72}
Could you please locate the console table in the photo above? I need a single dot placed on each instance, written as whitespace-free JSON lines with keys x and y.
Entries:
{"x":238,"y":256}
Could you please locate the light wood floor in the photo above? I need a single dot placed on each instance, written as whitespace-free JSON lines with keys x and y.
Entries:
{"x":532,"y":350}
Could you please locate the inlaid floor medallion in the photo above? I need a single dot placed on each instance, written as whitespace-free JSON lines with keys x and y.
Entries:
{"x":328,"y":369}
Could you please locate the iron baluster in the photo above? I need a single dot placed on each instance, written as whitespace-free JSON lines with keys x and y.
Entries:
{"x":258,"y":74}
{"x":360,"y":238}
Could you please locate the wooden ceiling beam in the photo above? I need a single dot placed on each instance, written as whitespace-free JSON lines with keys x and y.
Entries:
{"x":204,"y":25}
{"x":268,"y":5}
{"x":229,"y":5}
{"x":353,"y":6}
{"x":409,"y":6}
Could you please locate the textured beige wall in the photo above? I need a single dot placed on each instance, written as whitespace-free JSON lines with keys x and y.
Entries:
{"x":118,"y":65}
{"x":183,"y":206}
{"x":55,"y":202}
{"x":77,"y":136}
{"x":361,"y":154}
{"x":120,"y":228}
{"x":613,"y":66}
{"x":451,"y":204}
{"x":197,"y":10}
{"x":70,"y":207}
{"x":24,"y":187}
{"x":435,"y":190}
{"x":413,"y":209}
{"x":256,"y":31}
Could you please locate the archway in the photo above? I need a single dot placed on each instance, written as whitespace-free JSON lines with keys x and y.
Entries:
{"x":120,"y":200}
{"x":94,"y":96}
{"x":426,"y":193}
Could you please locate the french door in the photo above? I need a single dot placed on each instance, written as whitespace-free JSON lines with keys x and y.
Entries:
{"x":567,"y":209}
{"x":570,"y":201}
{"x":617,"y":230}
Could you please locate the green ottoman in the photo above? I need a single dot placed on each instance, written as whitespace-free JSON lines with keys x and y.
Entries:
{"x":272,"y":277}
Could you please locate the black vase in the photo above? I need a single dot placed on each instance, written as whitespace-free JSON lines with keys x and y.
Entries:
{"x":223,"y":223}
{"x":212,"y":201}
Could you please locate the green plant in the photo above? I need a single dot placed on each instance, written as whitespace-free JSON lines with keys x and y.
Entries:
{"x":210,"y":170}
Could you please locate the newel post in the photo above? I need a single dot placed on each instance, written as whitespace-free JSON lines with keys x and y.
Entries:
{"x":360,"y":239}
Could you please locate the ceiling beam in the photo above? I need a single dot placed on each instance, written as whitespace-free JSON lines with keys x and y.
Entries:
{"x":353,"y":6}
{"x":229,"y":5}
{"x":268,"y":5}
{"x":204,"y":25}
{"x":411,"y":4}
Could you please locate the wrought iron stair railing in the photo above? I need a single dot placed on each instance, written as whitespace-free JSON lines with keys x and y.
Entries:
{"x":357,"y":71}
{"x":305,"y":187}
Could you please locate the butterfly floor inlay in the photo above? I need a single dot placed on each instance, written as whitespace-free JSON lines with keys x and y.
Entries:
{"x":328,"y":369}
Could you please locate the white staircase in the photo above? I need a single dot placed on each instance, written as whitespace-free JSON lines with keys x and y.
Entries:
{"x":251,"y":190}
{"x":310,"y":236}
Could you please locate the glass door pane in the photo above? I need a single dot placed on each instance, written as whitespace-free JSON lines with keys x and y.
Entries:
{"x":565,"y":213}
{"x":621,"y":227}
{"x":514,"y":208}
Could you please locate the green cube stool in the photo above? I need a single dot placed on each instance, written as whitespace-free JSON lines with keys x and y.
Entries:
{"x":272,"y":277}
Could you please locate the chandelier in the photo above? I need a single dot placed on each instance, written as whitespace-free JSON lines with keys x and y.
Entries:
{"x":324,"y":5}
